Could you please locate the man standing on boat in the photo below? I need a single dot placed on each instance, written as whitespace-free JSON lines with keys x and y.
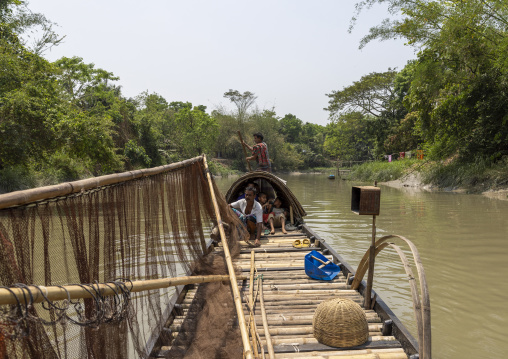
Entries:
{"x":259,"y":153}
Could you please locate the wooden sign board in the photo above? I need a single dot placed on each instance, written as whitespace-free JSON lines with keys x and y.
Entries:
{"x":365,"y":200}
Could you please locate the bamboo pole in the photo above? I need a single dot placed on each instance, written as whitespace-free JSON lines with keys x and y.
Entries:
{"x":268,"y":339}
{"x":417,"y":308}
{"x":291,"y":218}
{"x":232,"y":275}
{"x":53,"y":293}
{"x":244,"y":151}
{"x":18,"y":198}
{"x":251,"y":301}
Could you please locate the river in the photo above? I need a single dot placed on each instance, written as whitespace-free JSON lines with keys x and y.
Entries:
{"x":463,"y":243}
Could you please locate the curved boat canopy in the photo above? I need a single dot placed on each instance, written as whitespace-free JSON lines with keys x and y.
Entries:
{"x":266,"y":179}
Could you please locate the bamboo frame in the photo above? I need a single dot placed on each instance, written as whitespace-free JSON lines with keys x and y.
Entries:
{"x":425,"y":338}
{"x":232,"y":275}
{"x":268,"y":338}
{"x":251,"y":301}
{"x":18,"y":198}
{"x":55,"y":293}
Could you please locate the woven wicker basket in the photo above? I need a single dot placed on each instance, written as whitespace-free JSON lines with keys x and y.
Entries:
{"x":340,"y":322}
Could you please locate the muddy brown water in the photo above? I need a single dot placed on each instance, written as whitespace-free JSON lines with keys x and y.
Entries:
{"x":463,"y":243}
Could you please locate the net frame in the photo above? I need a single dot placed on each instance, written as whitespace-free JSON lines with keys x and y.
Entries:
{"x":144,"y":224}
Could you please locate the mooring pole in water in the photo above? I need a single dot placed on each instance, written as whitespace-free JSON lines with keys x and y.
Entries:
{"x":247,"y":350}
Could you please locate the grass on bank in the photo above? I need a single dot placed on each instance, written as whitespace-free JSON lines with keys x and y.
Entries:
{"x":382,"y":171}
{"x":219,"y":169}
{"x":476,"y":176}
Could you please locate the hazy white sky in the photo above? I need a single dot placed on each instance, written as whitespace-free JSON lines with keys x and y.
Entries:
{"x":289,"y":53}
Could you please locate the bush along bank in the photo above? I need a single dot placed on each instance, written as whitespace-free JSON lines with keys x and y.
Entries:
{"x":473,"y":177}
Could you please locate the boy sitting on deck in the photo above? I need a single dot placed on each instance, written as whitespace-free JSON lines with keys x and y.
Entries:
{"x":267,"y":208}
{"x":278,"y":217}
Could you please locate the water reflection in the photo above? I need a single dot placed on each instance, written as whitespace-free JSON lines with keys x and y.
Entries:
{"x":462,"y":242}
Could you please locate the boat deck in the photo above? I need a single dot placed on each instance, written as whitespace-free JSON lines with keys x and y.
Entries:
{"x":291,"y":298}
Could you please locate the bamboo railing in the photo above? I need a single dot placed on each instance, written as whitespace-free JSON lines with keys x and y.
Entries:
{"x":18,"y":198}
{"x":421,"y":305}
{"x":38,"y":294}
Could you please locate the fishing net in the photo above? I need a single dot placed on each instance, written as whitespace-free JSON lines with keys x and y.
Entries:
{"x":145,"y":228}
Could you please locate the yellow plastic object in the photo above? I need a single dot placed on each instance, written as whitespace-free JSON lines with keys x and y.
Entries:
{"x":297,"y":243}
{"x":306,"y":243}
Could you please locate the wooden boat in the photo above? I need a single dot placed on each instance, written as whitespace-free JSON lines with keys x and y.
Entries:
{"x":288,"y":297}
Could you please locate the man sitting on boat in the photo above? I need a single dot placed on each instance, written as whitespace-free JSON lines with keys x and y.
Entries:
{"x":259,"y":153}
{"x":250,"y":213}
{"x":253,"y":185}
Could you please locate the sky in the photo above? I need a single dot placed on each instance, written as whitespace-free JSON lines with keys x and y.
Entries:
{"x":290,"y":53}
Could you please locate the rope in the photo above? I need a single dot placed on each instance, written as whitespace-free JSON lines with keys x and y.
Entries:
{"x":15,"y":319}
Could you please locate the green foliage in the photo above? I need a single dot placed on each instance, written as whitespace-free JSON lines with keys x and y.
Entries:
{"x":60,"y":167}
{"x":290,"y":127}
{"x":348,"y":138}
{"x":136,"y":155}
{"x":381,"y":171}
{"x":457,"y":94}
{"x":89,"y":138}
{"x":370,"y":96}
{"x":218,"y":169}
{"x":284,"y":137}
{"x":195,"y":132}
{"x":29,"y":105}
{"x":15,"y":178}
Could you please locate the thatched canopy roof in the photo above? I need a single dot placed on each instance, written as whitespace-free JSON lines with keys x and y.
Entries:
{"x":265,"y":178}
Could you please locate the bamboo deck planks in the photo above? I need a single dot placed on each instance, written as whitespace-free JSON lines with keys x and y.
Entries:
{"x":290,"y":298}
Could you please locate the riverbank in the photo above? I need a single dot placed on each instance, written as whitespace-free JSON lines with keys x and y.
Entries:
{"x":477,"y":177}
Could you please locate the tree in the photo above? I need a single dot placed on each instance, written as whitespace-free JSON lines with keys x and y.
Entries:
{"x":350,"y":137}
{"x":29,"y":102}
{"x":17,"y":18}
{"x":291,"y":128}
{"x":196,"y":131}
{"x":371,"y":95}
{"x":242,"y":101}
{"x":456,"y":96}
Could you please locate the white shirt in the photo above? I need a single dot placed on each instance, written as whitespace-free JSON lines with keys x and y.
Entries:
{"x":257,"y":210}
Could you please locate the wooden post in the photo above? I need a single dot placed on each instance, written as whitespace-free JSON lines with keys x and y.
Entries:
{"x":232,"y":275}
{"x":268,"y":338}
{"x":372,"y":257}
{"x":244,"y":150}
{"x":291,"y":214}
